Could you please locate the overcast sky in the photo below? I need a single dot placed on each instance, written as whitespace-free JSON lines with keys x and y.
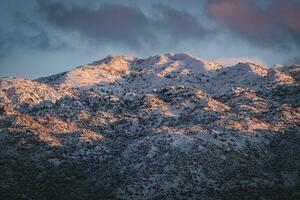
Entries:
{"x":43,"y":37}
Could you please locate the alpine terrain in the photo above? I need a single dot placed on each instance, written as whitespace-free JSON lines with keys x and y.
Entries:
{"x":170,"y":126}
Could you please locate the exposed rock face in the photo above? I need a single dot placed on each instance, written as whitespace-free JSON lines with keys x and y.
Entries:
{"x":167,"y":127}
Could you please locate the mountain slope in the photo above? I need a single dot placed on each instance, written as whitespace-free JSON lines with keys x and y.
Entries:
{"x":170,"y":126}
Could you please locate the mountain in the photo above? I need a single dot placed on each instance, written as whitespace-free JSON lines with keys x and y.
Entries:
{"x":170,"y":126}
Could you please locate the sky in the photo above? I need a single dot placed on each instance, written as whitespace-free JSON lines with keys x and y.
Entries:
{"x":43,"y":37}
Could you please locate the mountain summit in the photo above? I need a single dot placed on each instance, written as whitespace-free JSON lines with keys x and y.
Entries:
{"x":171,"y":126}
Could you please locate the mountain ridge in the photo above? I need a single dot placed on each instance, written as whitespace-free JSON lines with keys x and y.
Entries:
{"x":168,"y":127}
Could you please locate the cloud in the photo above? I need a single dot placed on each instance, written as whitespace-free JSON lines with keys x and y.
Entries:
{"x":25,"y":33}
{"x":125,"y":25}
{"x":38,"y":40}
{"x":231,"y":61}
{"x":177,"y":23}
{"x":277,"y":25}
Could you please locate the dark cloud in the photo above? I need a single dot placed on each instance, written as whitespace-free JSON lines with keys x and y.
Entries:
{"x":37,"y":41}
{"x":178,"y":24}
{"x":277,"y":25}
{"x":126,"y":25}
{"x":26,"y":33}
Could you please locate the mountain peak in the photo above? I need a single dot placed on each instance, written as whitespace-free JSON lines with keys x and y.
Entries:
{"x":251,"y":67}
{"x":114,"y":58}
{"x":122,"y":73}
{"x":171,"y":124}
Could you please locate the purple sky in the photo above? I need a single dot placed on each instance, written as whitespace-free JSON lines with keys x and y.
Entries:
{"x":42,"y":37}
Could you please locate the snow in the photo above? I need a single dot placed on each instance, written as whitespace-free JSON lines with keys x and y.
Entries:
{"x":170,"y":125}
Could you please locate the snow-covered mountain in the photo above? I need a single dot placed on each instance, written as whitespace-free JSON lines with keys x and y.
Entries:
{"x":170,"y":126}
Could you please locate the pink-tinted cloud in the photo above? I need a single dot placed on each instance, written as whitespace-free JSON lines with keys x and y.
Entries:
{"x":289,"y":14}
{"x":276,"y":26}
{"x":241,"y":14}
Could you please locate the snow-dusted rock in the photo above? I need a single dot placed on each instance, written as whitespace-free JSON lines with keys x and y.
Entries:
{"x":171,"y":126}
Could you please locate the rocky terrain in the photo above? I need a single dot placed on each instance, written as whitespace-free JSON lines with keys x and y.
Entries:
{"x":170,"y":126}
